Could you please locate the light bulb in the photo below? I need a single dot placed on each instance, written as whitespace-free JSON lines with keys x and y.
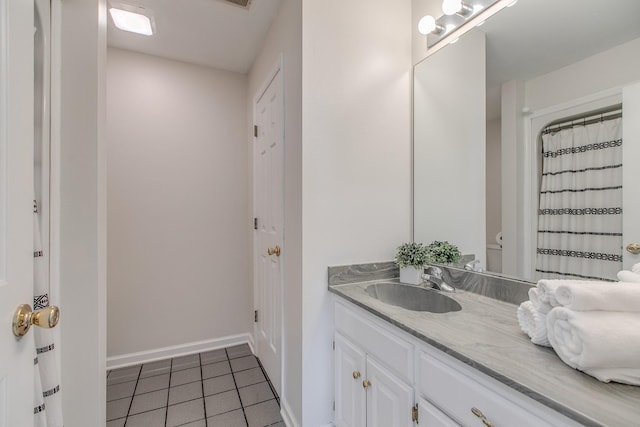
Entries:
{"x":451,"y":7}
{"x":427,"y":24}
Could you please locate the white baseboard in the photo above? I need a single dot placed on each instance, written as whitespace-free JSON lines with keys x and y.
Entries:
{"x":130,"y":359}
{"x":287,"y":414}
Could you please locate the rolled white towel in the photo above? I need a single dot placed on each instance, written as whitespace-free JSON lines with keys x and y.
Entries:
{"x":603,"y":344}
{"x":541,"y":306}
{"x":533,"y":323}
{"x":628,"y":276}
{"x":547,"y":288}
{"x":604,"y":296}
{"x":636,"y":268}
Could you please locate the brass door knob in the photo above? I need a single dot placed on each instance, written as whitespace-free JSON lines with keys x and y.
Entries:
{"x":366,"y":384}
{"x":23,"y":318}
{"x":633,"y":248}
{"x":356,"y":375}
{"x":274,"y":251}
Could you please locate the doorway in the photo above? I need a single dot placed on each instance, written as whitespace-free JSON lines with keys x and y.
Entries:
{"x":268,"y":202}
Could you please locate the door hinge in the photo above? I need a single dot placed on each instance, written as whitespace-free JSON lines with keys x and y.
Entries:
{"x":255,"y":316}
{"x":414,"y":414}
{"x":255,"y":223}
{"x":334,"y":406}
{"x":255,"y":131}
{"x":334,"y":345}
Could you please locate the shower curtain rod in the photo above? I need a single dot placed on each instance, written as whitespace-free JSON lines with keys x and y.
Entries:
{"x":595,"y":116}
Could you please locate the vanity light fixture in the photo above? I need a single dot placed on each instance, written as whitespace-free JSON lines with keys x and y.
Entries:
{"x":136,"y":22}
{"x":456,"y":14}
{"x":428,"y":25}
{"x":457,"y":7}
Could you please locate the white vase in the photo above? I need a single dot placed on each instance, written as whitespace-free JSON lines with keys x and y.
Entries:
{"x":411,"y":275}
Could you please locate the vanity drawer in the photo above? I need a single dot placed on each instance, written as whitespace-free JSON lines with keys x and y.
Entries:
{"x":376,"y":339}
{"x":456,"y":394}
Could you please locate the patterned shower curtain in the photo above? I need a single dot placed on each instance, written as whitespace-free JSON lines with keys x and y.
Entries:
{"x":48,"y":400}
{"x":580,"y":211}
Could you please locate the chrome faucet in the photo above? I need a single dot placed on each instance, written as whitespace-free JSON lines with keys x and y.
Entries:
{"x":433,"y":275}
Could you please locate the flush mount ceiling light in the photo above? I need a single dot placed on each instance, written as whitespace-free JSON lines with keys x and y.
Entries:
{"x":138,"y":21}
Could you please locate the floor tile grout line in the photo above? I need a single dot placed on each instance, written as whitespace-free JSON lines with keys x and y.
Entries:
{"x":237,"y":391}
{"x":132,"y":396}
{"x":228,"y":359}
{"x":204,"y":404}
{"x":185,"y":401}
{"x":251,"y":385}
{"x":275,"y":394}
{"x":166,"y":409}
{"x":257,"y":403}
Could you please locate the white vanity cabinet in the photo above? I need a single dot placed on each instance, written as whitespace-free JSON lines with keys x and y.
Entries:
{"x":373,"y":374}
{"x":385,"y":377}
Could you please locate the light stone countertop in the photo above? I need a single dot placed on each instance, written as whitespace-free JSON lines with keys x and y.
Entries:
{"x":485,"y":335}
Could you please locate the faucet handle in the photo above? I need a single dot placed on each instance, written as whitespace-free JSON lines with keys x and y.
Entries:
{"x":473,"y":266}
{"x":434,"y":271}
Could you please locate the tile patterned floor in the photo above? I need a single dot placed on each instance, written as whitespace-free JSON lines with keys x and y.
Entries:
{"x":220,"y":388}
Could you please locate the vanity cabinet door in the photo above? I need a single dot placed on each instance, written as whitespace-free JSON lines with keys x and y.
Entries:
{"x":350,"y":396}
{"x":429,"y":415}
{"x":389,"y":399}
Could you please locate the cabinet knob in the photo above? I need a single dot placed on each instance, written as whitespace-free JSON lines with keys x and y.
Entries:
{"x":356,"y":375}
{"x":366,"y":384}
{"x":274,"y":251}
{"x":478,"y":413}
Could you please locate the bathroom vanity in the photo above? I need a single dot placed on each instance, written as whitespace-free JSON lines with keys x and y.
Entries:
{"x":473,"y":367}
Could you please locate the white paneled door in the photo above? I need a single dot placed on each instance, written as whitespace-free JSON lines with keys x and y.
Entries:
{"x":16,"y":208}
{"x":268,"y":243}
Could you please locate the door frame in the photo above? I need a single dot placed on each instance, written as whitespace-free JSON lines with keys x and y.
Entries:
{"x":278,"y":67}
{"x":78,"y":126}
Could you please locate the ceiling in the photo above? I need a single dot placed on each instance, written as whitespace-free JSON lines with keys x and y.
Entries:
{"x":535,"y":37}
{"x":214,"y":33}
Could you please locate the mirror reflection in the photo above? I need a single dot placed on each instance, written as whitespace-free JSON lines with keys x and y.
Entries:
{"x":524,"y":133}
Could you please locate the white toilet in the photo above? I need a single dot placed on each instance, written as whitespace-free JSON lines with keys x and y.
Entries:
{"x":494,"y":258}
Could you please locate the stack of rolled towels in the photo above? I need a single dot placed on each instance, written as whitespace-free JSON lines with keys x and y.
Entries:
{"x":630,"y":276}
{"x":593,"y":326}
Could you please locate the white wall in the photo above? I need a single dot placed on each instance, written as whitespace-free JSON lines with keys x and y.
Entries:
{"x":178,"y":217}
{"x":285,"y":36}
{"x":609,"y":69}
{"x":356,"y":156}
